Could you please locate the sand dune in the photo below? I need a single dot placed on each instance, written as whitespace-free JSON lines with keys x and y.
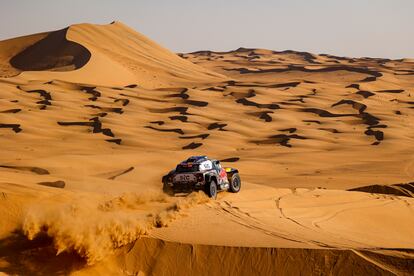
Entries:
{"x":92,"y":116}
{"x":89,"y":54}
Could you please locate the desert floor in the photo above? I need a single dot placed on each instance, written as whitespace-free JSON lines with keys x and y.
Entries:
{"x":92,"y":116}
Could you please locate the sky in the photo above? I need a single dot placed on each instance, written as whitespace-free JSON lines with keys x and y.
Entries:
{"x":354,"y":28}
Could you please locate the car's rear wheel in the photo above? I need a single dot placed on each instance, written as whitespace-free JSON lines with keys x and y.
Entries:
{"x":235,"y":183}
{"x":211,"y":189}
{"x":167,"y":188}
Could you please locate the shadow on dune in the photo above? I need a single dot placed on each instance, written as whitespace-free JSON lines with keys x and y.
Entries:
{"x":46,"y":97}
{"x":36,"y":170}
{"x":404,"y":189}
{"x":14,"y":110}
{"x":368,"y":119}
{"x":176,"y":130}
{"x":192,"y":145}
{"x":15,"y":127}
{"x":281,"y":139}
{"x":264,"y":115}
{"x":54,"y":52}
{"x":20,"y":256}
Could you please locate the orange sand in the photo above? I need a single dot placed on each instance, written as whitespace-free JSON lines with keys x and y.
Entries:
{"x":92,"y":116}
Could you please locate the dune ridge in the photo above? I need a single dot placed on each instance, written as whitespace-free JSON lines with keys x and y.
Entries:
{"x":257,"y":261}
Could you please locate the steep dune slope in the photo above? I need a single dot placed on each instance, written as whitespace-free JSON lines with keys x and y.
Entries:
{"x":12,"y":47}
{"x":52,"y":53}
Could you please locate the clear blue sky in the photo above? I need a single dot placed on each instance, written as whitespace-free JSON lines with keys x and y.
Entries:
{"x":376,"y":28}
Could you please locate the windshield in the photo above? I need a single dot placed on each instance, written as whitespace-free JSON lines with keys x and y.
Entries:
{"x":187,"y":168}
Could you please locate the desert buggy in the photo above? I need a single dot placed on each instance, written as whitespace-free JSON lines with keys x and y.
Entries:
{"x":201,"y":173}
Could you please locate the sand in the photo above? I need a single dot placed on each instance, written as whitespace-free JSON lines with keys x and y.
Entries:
{"x":92,"y":116}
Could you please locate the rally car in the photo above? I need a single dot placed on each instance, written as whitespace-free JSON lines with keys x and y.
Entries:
{"x":201,"y":173}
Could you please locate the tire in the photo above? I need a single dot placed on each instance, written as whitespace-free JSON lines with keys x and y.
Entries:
{"x":235,"y":183}
{"x":167,"y":189}
{"x":211,"y":189}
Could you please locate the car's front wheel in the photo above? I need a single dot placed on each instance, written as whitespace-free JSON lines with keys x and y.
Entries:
{"x":235,"y":183}
{"x":211,"y":189}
